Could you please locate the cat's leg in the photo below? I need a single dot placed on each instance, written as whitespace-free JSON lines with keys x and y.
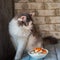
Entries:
{"x":20,"y":49}
{"x":14,"y":41}
{"x":34,"y":42}
{"x":40,"y":42}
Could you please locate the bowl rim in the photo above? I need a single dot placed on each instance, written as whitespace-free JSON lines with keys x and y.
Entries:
{"x":39,"y":54}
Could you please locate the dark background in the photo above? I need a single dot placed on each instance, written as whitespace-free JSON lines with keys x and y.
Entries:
{"x":7,"y":50}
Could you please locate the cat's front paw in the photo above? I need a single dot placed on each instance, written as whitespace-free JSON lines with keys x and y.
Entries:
{"x":17,"y":58}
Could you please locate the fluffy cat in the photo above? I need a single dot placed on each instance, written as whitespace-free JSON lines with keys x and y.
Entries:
{"x":24,"y":34}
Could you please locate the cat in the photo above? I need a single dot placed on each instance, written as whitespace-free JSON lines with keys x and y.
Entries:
{"x":24,"y":34}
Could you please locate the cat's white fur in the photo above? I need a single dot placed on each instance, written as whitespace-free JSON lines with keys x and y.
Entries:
{"x":19,"y":37}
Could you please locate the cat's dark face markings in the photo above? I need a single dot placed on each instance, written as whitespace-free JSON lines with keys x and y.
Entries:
{"x":28,"y":17}
{"x":26,"y":21}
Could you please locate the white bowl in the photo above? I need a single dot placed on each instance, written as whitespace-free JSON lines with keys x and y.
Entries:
{"x":38,"y":55}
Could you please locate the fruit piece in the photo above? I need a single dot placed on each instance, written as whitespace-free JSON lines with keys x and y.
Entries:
{"x":44,"y":51}
{"x":41,"y":50}
{"x":37,"y":49}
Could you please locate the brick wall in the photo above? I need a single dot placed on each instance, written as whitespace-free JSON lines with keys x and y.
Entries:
{"x":47,"y":14}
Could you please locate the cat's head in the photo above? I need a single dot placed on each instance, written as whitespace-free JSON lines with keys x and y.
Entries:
{"x":25,"y":20}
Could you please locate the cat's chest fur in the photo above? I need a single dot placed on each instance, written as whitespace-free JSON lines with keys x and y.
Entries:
{"x":18,"y":30}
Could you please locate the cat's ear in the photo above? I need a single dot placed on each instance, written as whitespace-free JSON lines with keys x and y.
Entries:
{"x":22,"y":18}
{"x":32,"y":13}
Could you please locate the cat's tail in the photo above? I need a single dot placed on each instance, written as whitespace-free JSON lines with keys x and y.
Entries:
{"x":50,"y":39}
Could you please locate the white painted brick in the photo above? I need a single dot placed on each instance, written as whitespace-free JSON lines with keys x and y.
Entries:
{"x":39,"y":20}
{"x":29,"y":5}
{"x":18,"y":6}
{"x":52,"y":5}
{"x":35,"y":5}
{"x":48,"y":27}
{"x":57,"y":27}
{"x":44,"y":27}
{"x":55,"y":34}
{"x":57,"y":12}
{"x":23,"y":1}
{"x":47,"y":19}
{"x":44,"y":0}
{"x":46,"y":12}
{"x":18,"y":11}
{"x":39,"y":0}
{"x":42,"y":12}
{"x":56,"y":1}
{"x":55,"y":19}
{"x":47,"y":0}
{"x":45,"y":33}
{"x":52,"y":27}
